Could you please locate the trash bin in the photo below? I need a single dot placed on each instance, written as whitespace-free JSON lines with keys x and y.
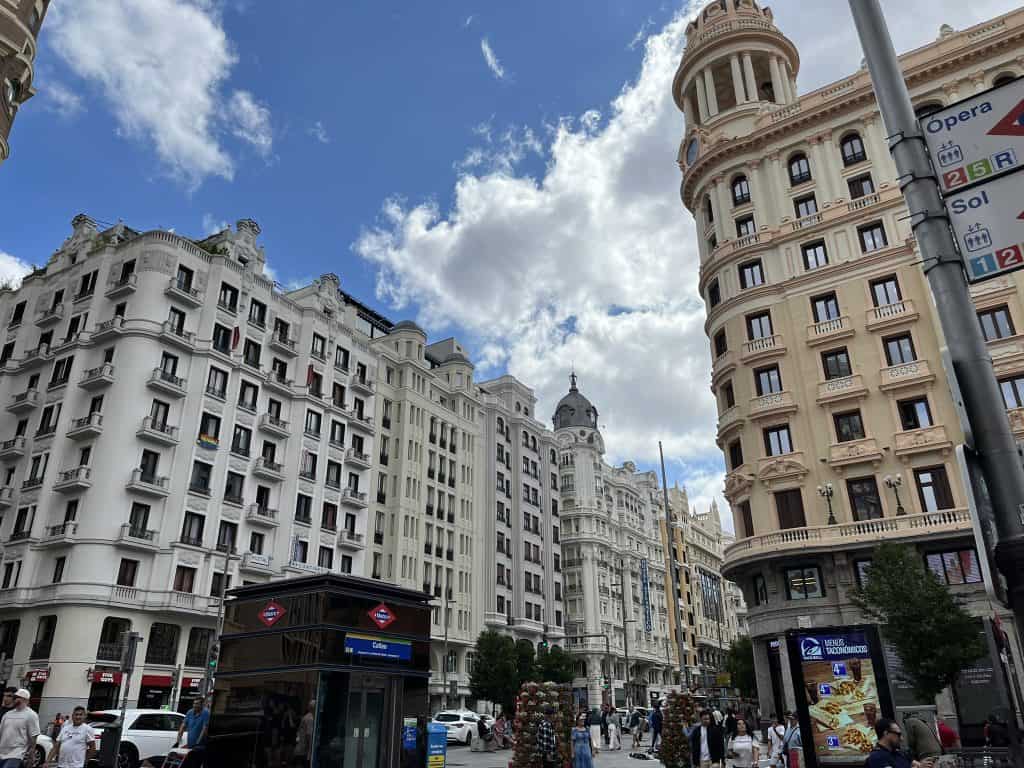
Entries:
{"x":109,"y":740}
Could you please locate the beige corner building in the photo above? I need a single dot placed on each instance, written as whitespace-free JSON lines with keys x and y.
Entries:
{"x":835,"y":418}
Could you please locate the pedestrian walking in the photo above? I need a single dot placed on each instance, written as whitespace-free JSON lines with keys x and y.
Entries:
{"x":922,"y":741}
{"x":707,"y":743}
{"x":614,"y":730}
{"x":743,"y":750}
{"x":18,"y":731}
{"x":582,"y":746}
{"x":656,"y":721}
{"x":886,"y":753}
{"x":547,"y":745}
{"x":604,"y":724}
{"x":304,"y":737}
{"x":194,"y":725}
{"x":776,"y":731}
{"x":636,"y":730}
{"x":75,"y":744}
{"x":730,"y":724}
{"x":792,"y":740}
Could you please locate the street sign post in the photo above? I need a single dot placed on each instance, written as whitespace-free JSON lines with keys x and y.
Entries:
{"x":988,"y":221}
{"x":979,"y":138}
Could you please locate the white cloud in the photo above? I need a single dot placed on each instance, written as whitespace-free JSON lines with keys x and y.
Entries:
{"x":468,"y":21}
{"x":161,"y":66}
{"x":318,"y":132}
{"x":12,"y":269}
{"x":212,"y":225}
{"x":249,"y":120}
{"x":641,"y":34}
{"x":492,"y":60}
{"x":60,"y":99}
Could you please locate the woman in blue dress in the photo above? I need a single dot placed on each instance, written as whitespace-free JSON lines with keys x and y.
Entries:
{"x":582,"y":756}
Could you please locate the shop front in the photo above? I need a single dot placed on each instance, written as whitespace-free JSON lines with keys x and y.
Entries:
{"x":190,"y":688}
{"x":155,"y":691}
{"x":104,"y":686}
{"x":36,"y":679}
{"x":336,"y":661}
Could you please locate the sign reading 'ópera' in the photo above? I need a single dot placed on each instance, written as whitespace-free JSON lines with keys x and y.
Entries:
{"x":978,"y":138}
{"x":988,"y":222}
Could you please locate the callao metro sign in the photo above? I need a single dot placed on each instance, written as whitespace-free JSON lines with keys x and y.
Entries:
{"x":977,"y":149}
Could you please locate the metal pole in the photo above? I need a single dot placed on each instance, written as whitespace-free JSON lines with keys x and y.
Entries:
{"x":444,"y":661}
{"x":684,"y":668}
{"x":625,"y":626}
{"x":971,"y":363}
{"x":215,"y":645}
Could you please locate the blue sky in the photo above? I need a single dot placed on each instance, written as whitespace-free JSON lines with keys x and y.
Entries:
{"x":502,"y":171}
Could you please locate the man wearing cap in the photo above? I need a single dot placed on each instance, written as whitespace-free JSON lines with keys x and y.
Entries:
{"x":18,"y":731}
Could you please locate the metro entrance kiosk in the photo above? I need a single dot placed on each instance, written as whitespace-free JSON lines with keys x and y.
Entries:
{"x":347,"y":654}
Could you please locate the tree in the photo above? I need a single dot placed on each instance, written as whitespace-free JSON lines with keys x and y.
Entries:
{"x":495,"y":675}
{"x":740,"y":664}
{"x":525,"y":666}
{"x":675,"y":745}
{"x":554,"y":665}
{"x":926,"y":624}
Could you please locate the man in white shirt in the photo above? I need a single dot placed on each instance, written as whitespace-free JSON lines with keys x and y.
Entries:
{"x":74,"y":742}
{"x":18,"y":731}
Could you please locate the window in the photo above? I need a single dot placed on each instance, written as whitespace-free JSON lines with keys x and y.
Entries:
{"x":721,"y":344}
{"x":184,"y":579}
{"x":996,"y":323}
{"x":836,"y":364}
{"x":303,"y":508}
{"x":714,"y":294}
{"x":209,"y":426}
{"x":899,"y":350}
{"x":58,"y":569}
{"x":745,"y":226}
{"x":247,"y":395}
{"x":184,"y":279}
{"x":341,"y":358}
{"x":176,"y":321}
{"x":200,"y":480}
{"x":329,"y":517}
{"x":319,"y":347}
{"x":865,"y":502}
{"x":815,"y":254}
{"x":241,"y":441}
{"x":199,"y":640}
{"x":228,"y":297}
{"x":805,"y":205}
{"x":234,"y":486}
{"x":219,"y":585}
{"x":751,"y":274}
{"x":746,"y":520}
{"x":258,"y":313}
{"x":251,"y":354}
{"x":872,"y":237}
{"x":325,"y":558}
{"x":915,"y":414}
{"x":933,"y":489}
{"x":256,"y":541}
{"x":300,"y":551}
{"x":1013,"y":391}
{"x":221,"y":339}
{"x":138,"y":520}
{"x":799,"y":169}
{"x":313,"y":422}
{"x":161,"y":646}
{"x":217,"y":383}
{"x":759,"y":326}
{"x":853,"y":149}
{"x":760,"y":590}
{"x":767,"y":380}
{"x":86,"y":285}
{"x":956,"y":567}
{"x":740,"y":190}
{"x":333,"y":478}
{"x":849,"y":426}
{"x":192,"y":529}
{"x":61,"y":371}
{"x":307,"y":465}
{"x":337,"y":433}
{"x":227,"y":535}
{"x":127,"y":572}
{"x":18,"y":314}
{"x":860,"y":186}
{"x":728,"y":401}
{"x":735,"y":454}
{"x":709,"y":211}
{"x":804,"y":583}
{"x":777,"y":440}
{"x":825,"y":307}
{"x":790,"y":507}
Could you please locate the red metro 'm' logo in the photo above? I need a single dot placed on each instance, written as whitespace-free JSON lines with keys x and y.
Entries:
{"x":271,"y":613}
{"x":1012,"y":124}
{"x":381,"y":615}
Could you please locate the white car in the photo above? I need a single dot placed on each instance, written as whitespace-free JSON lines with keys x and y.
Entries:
{"x":43,"y":746}
{"x":150,"y":732}
{"x":462,"y":724}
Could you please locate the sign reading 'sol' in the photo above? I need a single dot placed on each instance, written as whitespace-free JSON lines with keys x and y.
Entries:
{"x":979,"y":138}
{"x":988,"y":222}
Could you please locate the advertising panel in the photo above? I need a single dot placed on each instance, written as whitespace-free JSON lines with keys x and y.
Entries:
{"x":841,"y":691}
{"x":645,"y":596}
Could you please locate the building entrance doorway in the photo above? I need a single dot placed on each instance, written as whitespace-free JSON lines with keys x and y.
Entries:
{"x":364,"y":721}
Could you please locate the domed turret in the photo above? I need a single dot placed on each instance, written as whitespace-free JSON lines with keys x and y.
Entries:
{"x":574,"y":410}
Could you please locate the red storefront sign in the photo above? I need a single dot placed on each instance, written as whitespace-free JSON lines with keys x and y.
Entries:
{"x":192,"y":683}
{"x":112,"y":678}
{"x":38,"y":675}
{"x":157,"y":681}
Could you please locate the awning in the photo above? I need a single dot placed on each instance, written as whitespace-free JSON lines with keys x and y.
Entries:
{"x":157,"y":681}
{"x":38,"y":675}
{"x":191,"y":682}
{"x":97,"y":676}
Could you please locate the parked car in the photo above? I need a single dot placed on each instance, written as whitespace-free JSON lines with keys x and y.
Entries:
{"x":43,"y":746}
{"x":461,"y":724}
{"x":150,"y":732}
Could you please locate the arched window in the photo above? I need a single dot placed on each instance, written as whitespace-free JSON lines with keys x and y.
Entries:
{"x":927,"y":108}
{"x":799,"y":169}
{"x":501,"y":424}
{"x":552,"y":458}
{"x":853,"y":149}
{"x":740,"y":190}
{"x":1003,"y":78}
{"x":709,"y":212}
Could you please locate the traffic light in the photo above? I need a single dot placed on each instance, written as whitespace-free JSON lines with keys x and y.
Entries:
{"x":604,"y":682}
{"x":544,"y":639}
{"x":214,"y":655}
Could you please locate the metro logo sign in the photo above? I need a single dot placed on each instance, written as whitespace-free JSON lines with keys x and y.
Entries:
{"x":271,"y":613}
{"x":1012,"y":124}
{"x":381,"y":615}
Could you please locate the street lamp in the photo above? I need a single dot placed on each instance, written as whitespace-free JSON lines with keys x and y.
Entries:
{"x":625,"y":633}
{"x":448,"y":600}
{"x":895,"y":483}
{"x":826,"y":491}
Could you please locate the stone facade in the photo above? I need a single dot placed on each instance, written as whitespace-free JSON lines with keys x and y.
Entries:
{"x":20,"y":21}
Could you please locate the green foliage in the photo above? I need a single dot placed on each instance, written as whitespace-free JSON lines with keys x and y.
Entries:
{"x":929,"y":628}
{"x":740,"y":664}
{"x":554,"y":665}
{"x":495,"y":675}
{"x":675,"y":746}
{"x":525,"y":667}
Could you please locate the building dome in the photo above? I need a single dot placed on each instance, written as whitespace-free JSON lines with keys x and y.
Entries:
{"x":407,"y":325}
{"x":574,"y":410}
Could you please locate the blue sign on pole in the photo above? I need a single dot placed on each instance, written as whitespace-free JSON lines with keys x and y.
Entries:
{"x":645,"y":596}
{"x":437,"y":745}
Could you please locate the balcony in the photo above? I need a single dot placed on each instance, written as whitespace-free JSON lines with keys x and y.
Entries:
{"x":763,"y":348}
{"x":889,"y":315}
{"x":351,"y":539}
{"x":358,"y":458}
{"x":136,"y":538}
{"x":829,"y":331}
{"x":785,"y":466}
{"x":364,"y":423}
{"x":149,"y":484}
{"x":846,"y":536}
{"x":301,"y":567}
{"x":6,"y":496}
{"x":50,"y":316}
{"x":122,"y":287}
{"x":60,"y":534}
{"x":73,"y":480}
{"x":922,"y":440}
{"x":177,"y":336}
{"x":13,"y":448}
{"x":260,"y":515}
{"x":274,"y":425}
{"x":353,"y":497}
{"x":167,"y":382}
{"x":854,"y":452}
{"x":268,"y":469}
{"x":86,"y":427}
{"x":164,"y":433}
{"x":111,"y":327}
{"x":282,"y":343}
{"x":772,"y":404}
{"x":278,"y":383}
{"x":257,"y":563}
{"x":842,"y":388}
{"x":24,"y":402}
{"x":363,"y":385}
{"x":184,"y":292}
{"x":906,"y":375}
{"x":97,"y":378}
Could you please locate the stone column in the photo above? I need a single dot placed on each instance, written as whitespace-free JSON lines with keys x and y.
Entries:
{"x":952,"y":90}
{"x":723,"y":222}
{"x":688,"y":111}
{"x":702,"y":99}
{"x":737,"y":78}
{"x":788,"y":695}
{"x":820,"y":172}
{"x":763,"y":678}
{"x":748,"y":71}
{"x":709,"y":85}
{"x":777,"y":187}
{"x":765,"y":203}
{"x":878,"y":150}
{"x":833,"y":161}
{"x":777,"y":86}
{"x":978,"y":81}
